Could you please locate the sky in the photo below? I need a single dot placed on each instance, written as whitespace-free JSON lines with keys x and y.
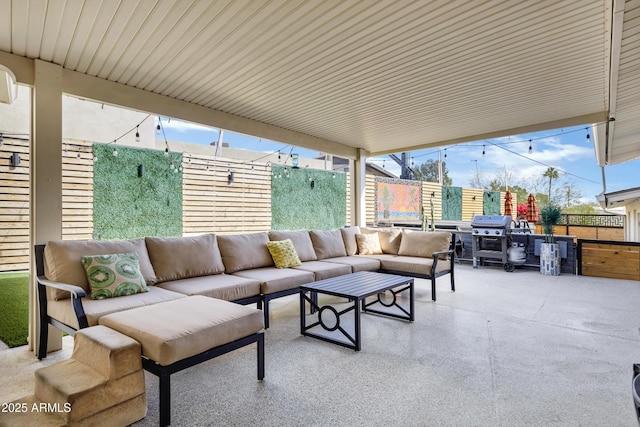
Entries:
{"x":506,"y":158}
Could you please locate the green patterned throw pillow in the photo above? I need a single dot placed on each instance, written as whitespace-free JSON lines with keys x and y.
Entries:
{"x":114,"y":275}
{"x":283,"y":253}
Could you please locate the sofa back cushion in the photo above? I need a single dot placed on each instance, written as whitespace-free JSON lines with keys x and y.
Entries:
{"x":245,"y":251}
{"x":390,"y":238}
{"x":175,"y":258}
{"x":301,"y":241}
{"x":62,"y":261}
{"x":328,"y":244}
{"x":424,"y":243}
{"x":349,"y":237}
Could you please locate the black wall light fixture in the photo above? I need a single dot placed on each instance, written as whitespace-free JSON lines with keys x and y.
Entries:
{"x":140,"y":170}
{"x":433,"y":194}
{"x":15,"y":159}
{"x":230,"y":178}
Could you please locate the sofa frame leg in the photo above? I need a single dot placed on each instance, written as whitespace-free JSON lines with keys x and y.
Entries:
{"x":43,"y":339}
{"x":164,"y":372}
{"x":260,"y":357}
{"x":165,"y":398}
{"x":433,"y":288}
{"x":265,"y":309}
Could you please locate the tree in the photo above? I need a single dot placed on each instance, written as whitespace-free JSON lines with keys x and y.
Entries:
{"x":584,"y":209}
{"x":551,"y":173}
{"x":428,"y":171}
{"x":571,"y":194}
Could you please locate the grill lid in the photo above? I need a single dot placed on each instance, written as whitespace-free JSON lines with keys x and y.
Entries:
{"x":491,"y":221}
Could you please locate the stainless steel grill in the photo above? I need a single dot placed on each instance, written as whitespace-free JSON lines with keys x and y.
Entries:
{"x":489,"y":235}
{"x":490,"y":225}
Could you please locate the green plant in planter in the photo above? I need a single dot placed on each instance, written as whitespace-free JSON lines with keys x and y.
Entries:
{"x":550,"y":216}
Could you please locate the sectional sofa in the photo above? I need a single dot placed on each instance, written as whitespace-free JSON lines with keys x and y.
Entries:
{"x":238,"y":268}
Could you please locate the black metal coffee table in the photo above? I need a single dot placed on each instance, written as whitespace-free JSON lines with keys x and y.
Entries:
{"x":326,"y":323}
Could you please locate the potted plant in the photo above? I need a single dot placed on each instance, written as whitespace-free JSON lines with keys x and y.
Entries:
{"x":549,"y":250}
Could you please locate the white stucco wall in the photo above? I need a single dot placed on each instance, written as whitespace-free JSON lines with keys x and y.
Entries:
{"x":90,"y":121}
{"x":15,"y":118}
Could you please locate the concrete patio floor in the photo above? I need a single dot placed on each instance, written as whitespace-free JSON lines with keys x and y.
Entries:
{"x":506,"y":349}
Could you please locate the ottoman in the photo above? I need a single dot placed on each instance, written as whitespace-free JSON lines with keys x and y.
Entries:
{"x":178,"y":334}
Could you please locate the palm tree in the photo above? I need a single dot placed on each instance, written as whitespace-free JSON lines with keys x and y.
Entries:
{"x":551,"y":173}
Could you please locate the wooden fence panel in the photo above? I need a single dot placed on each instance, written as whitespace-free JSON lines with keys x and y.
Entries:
{"x":213,"y":205}
{"x":615,"y":260}
{"x":472,"y":203}
{"x":77,"y":190}
{"x":14,"y":206}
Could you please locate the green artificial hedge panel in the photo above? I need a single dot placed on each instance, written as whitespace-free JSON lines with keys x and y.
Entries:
{"x":307,"y":199}
{"x":491,"y":203}
{"x":452,"y":203}
{"x":126,"y":205}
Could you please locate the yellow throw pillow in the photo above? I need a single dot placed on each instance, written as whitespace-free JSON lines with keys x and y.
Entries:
{"x":368,"y":244}
{"x":283,"y":253}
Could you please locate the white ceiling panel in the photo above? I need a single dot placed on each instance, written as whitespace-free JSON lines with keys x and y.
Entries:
{"x":380,"y":75}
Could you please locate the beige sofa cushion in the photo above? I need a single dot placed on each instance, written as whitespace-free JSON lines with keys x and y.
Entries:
{"x":349,"y":237}
{"x":244,"y":251}
{"x":324,"y":270}
{"x":390,"y":238}
{"x":94,"y":309}
{"x":357,"y":262}
{"x":413,"y":265}
{"x":208,"y":323}
{"x":222,"y":286}
{"x":328,"y":244}
{"x":424,"y":243}
{"x":301,"y":241}
{"x":183,"y":257}
{"x":62,"y":261}
{"x":277,"y":279}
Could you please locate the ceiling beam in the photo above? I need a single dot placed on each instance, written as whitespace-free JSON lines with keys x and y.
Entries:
{"x":22,"y":68}
{"x":597,"y":117}
{"x":604,"y":147}
{"x":108,"y":92}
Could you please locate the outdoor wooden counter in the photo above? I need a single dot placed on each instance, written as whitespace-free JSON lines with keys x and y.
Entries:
{"x":533,"y":256}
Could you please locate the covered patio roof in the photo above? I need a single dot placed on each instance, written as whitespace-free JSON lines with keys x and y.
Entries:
{"x":381,"y":76}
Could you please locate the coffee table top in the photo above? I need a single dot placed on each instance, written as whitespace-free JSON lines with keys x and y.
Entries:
{"x":356,"y":285}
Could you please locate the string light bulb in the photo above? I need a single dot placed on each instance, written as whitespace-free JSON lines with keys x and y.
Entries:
{"x":530,"y":148}
{"x":115,"y":148}
{"x":483,"y":152}
{"x":445,"y":154}
{"x":588,"y":136}
{"x":137,"y":134}
{"x":158,"y":129}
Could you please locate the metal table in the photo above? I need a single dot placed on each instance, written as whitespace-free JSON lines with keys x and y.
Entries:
{"x":326,"y":321}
